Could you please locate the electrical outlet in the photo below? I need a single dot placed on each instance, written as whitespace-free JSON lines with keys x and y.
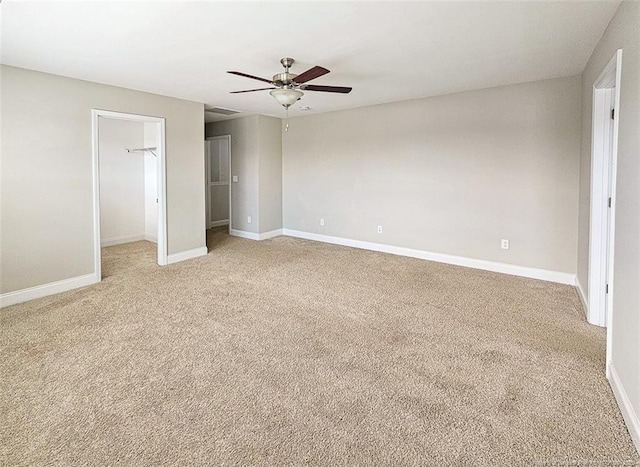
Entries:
{"x":321,"y":221}
{"x":504,"y":244}
{"x":235,"y":178}
{"x":249,"y":220}
{"x":379,"y":229}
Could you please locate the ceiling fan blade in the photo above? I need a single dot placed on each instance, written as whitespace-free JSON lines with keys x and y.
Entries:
{"x":311,"y":73}
{"x":340,"y":89}
{"x":250,"y":90}
{"x":250,"y":76}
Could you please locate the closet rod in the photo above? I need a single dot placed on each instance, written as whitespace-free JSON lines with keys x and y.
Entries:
{"x":151,"y":150}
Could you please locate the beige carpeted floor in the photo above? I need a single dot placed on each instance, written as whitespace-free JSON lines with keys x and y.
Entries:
{"x":290,"y":352}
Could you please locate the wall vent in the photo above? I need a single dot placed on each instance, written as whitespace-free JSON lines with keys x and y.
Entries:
{"x":221,"y":111}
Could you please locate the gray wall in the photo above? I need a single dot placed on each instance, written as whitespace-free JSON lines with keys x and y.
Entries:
{"x":623,"y":32}
{"x":270,"y":165}
{"x":256,"y":158}
{"x":46,"y":189}
{"x":452,"y":174}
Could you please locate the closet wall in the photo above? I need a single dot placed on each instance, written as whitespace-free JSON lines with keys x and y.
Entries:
{"x":128,"y":182}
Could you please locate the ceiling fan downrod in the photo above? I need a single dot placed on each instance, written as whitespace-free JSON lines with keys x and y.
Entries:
{"x":286,"y":63}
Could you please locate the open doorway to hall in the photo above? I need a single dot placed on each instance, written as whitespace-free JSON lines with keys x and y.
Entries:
{"x":218,"y":188}
{"x":129,"y":189}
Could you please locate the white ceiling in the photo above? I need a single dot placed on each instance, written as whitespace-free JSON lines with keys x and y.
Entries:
{"x":387,"y":51}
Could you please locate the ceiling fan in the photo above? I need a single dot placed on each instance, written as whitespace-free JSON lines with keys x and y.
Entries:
{"x":288,"y":87}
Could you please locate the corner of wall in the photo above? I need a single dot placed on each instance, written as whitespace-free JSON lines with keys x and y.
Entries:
{"x":583,"y":297}
{"x":629,"y":415}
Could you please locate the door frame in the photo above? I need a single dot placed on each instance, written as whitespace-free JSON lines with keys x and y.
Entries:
{"x":162,"y":246}
{"x":604,"y":158}
{"x":207,"y":189}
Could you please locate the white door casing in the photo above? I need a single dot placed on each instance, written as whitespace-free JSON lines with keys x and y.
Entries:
{"x":604,"y":148}
{"x":162,"y":244}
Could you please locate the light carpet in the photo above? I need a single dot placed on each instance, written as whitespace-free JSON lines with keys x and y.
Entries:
{"x":291,"y":352}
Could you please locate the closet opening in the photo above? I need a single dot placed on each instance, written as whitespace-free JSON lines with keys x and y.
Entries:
{"x":129,"y":182}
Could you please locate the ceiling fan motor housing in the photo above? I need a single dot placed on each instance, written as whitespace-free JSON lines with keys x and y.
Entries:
{"x":284,"y":79}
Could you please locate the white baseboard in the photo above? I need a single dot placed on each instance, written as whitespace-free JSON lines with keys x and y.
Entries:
{"x":631,"y":418}
{"x":150,"y":238}
{"x":183,"y":255}
{"x":39,"y":291}
{"x":512,"y":269}
{"x":255,"y":236}
{"x":271,"y":234}
{"x":243,"y":234}
{"x":583,"y":297}
{"x":120,"y":240}
{"x":218,"y":223}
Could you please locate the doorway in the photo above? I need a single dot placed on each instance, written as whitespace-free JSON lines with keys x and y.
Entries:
{"x":218,"y":187}
{"x":129,"y":197}
{"x":604,"y":149}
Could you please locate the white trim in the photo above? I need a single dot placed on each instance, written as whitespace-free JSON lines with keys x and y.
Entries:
{"x":628,"y":414}
{"x":162,"y":243}
{"x":39,"y":291}
{"x":207,"y":188}
{"x":244,"y":234}
{"x":188,"y":254}
{"x":270,"y":234}
{"x":604,"y":156}
{"x":614,"y":182}
{"x":255,"y":236}
{"x":512,"y":269}
{"x":162,"y":238}
{"x":583,"y":297}
{"x":120,"y":240}
{"x":218,"y":223}
{"x":95,"y":151}
{"x":150,"y":238}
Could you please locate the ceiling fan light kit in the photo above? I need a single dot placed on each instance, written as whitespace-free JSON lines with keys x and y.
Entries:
{"x":286,"y":97}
